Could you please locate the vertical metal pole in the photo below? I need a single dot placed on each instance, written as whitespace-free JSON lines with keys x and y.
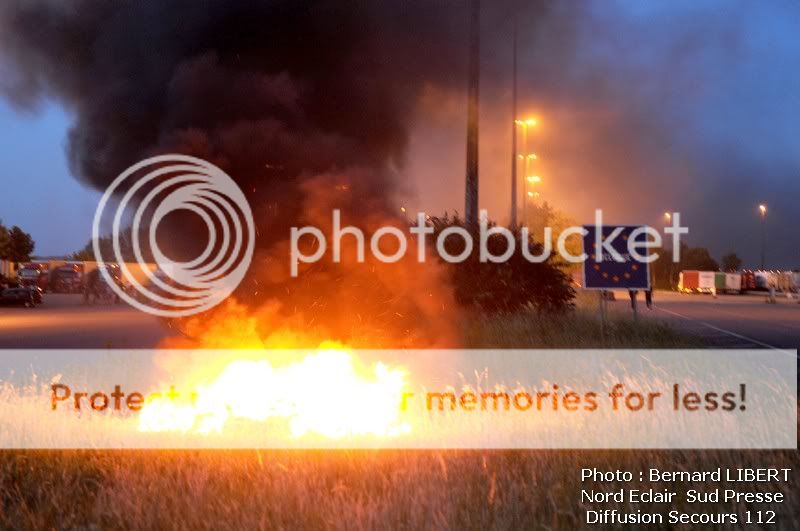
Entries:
{"x":763,"y":239}
{"x":602,"y":306}
{"x":514,"y":160}
{"x":471,"y":199}
{"x":525,"y":174}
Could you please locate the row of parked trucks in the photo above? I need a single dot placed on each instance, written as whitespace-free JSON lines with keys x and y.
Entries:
{"x":719,"y":282}
{"x":64,"y":276}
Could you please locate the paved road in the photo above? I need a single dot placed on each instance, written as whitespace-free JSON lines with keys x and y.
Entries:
{"x":743,"y":321}
{"x":727,"y":321}
{"x":64,"y":322}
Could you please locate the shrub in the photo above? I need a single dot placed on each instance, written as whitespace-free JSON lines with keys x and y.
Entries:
{"x":509,"y":285}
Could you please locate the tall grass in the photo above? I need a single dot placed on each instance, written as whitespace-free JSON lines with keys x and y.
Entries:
{"x":370,"y":489}
{"x":343,"y":490}
{"x":579,"y":328}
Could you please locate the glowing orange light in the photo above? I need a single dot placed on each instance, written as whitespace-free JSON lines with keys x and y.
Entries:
{"x":326,"y":393}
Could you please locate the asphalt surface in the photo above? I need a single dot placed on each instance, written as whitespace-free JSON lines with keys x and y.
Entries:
{"x":63,"y":321}
{"x":727,"y":321}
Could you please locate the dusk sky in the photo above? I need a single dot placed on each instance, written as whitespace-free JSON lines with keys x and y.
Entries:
{"x":643,"y":109}
{"x":39,"y":193}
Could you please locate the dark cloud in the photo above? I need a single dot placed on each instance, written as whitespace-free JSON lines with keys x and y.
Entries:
{"x":270,"y":91}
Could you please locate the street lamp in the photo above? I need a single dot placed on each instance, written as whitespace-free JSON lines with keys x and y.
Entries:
{"x":667,"y":216}
{"x":526,"y":156}
{"x":762,"y":208}
{"x":524,"y":124}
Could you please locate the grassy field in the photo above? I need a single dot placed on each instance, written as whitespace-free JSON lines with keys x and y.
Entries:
{"x":365,"y":489}
{"x":338,"y":490}
{"x":579,"y":329}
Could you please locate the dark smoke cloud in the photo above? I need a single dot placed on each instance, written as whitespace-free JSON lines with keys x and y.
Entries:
{"x":297,"y":100}
{"x":274,"y":92}
{"x":270,"y":91}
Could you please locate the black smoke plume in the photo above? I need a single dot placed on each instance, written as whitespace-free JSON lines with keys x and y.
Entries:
{"x":302,"y":102}
{"x":273,"y":92}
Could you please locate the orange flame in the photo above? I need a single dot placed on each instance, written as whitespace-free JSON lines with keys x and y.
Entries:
{"x":326,"y":393}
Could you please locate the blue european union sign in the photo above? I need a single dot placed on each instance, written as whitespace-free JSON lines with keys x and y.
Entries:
{"x":604,"y":272}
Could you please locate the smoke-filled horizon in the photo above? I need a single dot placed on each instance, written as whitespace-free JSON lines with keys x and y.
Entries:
{"x":642,"y":108}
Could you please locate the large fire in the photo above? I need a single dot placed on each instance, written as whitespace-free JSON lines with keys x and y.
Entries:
{"x":328,"y":393}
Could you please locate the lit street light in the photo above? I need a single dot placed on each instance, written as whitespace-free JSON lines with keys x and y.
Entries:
{"x":667,"y":216}
{"x":525,"y":157}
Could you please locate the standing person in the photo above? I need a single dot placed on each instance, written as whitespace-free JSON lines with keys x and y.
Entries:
{"x":91,"y":287}
{"x":633,"y":294}
{"x":648,"y":298}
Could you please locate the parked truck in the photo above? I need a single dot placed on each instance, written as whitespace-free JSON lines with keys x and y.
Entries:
{"x":697,"y":281}
{"x":784,"y":282}
{"x":719,"y":282}
{"x":732,"y":283}
{"x":709,"y":282}
{"x":67,"y":278}
{"x":34,"y":274}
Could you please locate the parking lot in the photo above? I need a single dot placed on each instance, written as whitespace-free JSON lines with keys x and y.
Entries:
{"x":63,"y":321}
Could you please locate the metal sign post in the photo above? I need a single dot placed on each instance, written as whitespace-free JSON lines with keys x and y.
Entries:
{"x":601,"y":305}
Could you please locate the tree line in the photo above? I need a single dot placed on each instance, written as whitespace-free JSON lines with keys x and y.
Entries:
{"x":16,"y":245}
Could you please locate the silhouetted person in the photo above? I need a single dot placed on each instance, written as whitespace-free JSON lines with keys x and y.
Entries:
{"x":633,"y":293}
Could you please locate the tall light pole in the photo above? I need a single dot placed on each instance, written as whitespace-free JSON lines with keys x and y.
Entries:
{"x":514,"y":132}
{"x":762,"y":208}
{"x":525,"y":124}
{"x":471,"y":192}
{"x":670,"y":270}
